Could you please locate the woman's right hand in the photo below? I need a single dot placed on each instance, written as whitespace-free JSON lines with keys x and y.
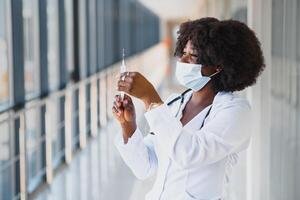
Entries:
{"x":124,"y":112}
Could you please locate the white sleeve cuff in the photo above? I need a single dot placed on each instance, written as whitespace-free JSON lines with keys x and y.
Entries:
{"x":132,"y":141}
{"x":159,"y":114}
{"x":163,"y":124}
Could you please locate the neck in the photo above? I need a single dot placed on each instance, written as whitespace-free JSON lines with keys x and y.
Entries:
{"x":203,"y":97}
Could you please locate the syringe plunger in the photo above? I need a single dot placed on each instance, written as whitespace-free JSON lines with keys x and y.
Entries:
{"x":122,"y":71}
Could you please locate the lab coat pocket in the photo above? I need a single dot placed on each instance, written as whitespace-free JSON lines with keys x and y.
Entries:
{"x":189,"y":196}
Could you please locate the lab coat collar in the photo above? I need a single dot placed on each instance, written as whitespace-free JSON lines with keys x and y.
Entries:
{"x":220,"y":97}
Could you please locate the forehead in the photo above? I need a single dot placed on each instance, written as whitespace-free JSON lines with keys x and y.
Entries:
{"x":189,"y":46}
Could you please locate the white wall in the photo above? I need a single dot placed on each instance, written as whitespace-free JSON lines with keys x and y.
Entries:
{"x":258,"y":160}
{"x":250,"y":178}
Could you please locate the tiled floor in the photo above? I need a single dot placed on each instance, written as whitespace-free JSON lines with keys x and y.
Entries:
{"x":97,"y":172}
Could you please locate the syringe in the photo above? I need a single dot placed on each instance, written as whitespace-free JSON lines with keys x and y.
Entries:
{"x":122,"y":71}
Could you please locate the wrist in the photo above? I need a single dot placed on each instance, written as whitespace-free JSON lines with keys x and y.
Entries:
{"x":128,"y":125}
{"x":128,"y":129}
{"x":154,"y":105}
{"x":151,"y":99}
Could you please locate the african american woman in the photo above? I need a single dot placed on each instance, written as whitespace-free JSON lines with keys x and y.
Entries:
{"x":195,"y":137}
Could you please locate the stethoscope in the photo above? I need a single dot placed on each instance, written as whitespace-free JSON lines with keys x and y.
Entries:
{"x":181,"y":101}
{"x":181,"y":98}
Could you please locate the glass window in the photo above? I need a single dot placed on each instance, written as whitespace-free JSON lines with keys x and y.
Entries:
{"x":82,"y":38}
{"x":100,"y":34}
{"x":7,"y":163}
{"x":88,"y":109}
{"x":75,"y":120}
{"x":4,"y":57}
{"x":61,"y":129}
{"x":34,"y":149}
{"x":53,"y":44}
{"x":69,"y":37}
{"x":92,"y":38}
{"x":31,"y":69}
{"x":54,"y":128}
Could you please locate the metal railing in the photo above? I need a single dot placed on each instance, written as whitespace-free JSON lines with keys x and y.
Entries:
{"x":31,"y":140}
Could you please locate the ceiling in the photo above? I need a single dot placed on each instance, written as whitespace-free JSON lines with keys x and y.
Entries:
{"x":174,"y":9}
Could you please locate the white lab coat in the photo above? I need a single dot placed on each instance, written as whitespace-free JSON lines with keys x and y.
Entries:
{"x":191,"y":163}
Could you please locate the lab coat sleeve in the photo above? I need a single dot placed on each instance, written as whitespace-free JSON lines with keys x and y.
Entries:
{"x":138,"y":153}
{"x":226,"y":132}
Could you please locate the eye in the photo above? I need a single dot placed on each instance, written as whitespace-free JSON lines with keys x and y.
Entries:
{"x":194,"y":55}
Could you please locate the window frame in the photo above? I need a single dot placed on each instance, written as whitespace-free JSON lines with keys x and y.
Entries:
{"x":36,"y":60}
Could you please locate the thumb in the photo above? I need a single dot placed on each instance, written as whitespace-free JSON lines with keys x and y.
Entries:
{"x":127,"y":100}
{"x":127,"y":104}
{"x":127,"y":97}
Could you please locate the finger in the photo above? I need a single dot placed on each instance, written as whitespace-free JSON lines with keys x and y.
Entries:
{"x":123,"y":83}
{"x":127,"y":80}
{"x":119,"y":76}
{"x":117,"y":108}
{"x":115,"y":111}
{"x":131,"y":74}
{"x":118,"y":99}
{"x":128,"y":98}
{"x":123,"y":89}
{"x":125,"y":74}
{"x":127,"y":104}
{"x":117,"y":104}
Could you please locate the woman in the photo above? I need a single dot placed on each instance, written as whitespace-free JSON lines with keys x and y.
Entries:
{"x":196,"y":136}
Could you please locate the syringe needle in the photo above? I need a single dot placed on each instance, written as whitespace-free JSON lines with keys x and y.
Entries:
{"x":123,"y":55}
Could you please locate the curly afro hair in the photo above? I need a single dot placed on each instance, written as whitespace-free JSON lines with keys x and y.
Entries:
{"x":228,"y":44}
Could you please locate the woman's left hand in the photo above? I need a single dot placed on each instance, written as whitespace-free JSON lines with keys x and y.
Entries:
{"x":135,"y":84}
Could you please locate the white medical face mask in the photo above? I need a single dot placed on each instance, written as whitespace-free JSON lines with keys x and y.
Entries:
{"x":189,"y":75}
